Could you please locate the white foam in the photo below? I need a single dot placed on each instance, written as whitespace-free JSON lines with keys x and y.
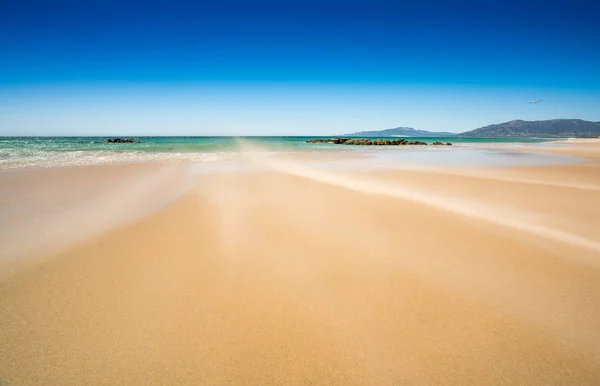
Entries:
{"x":20,"y":159}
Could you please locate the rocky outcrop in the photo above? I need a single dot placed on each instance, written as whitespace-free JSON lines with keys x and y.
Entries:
{"x":328,"y":140}
{"x":377,"y":142}
{"x":366,"y":141}
{"x":438,"y":143}
{"x":122,"y":140}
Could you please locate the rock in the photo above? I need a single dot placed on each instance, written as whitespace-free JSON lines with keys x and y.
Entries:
{"x":437,"y":143}
{"x":448,"y":144}
{"x":356,"y":141}
{"x":366,"y":141}
{"x":336,"y":141}
{"x":122,"y":140}
{"x":359,"y":142}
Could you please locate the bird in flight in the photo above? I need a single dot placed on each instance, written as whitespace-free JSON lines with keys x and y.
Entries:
{"x":535,"y":102}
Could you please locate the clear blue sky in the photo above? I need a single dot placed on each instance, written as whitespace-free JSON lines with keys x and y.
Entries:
{"x":296,"y":67}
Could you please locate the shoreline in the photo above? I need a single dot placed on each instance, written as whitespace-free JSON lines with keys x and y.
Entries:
{"x":335,"y":151}
{"x":67,"y":151}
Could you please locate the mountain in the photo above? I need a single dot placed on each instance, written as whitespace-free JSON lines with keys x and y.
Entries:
{"x":554,"y":128}
{"x":401,"y":131}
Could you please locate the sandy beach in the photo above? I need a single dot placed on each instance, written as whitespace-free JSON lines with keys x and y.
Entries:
{"x":290,"y":274}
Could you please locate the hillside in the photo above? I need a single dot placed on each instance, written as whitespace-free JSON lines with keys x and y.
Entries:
{"x":400,"y":131}
{"x":554,"y":128}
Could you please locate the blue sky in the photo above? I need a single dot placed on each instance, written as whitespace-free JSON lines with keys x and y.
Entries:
{"x":277,"y":68}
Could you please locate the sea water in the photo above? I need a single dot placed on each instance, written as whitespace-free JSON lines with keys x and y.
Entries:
{"x":27,"y":152}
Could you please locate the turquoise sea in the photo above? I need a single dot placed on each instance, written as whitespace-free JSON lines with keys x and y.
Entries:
{"x":23,"y":152}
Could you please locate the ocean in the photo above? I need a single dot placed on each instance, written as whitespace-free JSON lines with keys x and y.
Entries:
{"x":27,"y":152}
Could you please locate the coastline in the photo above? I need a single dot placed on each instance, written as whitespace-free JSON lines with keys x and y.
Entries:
{"x":292,"y":273}
{"x":44,"y":152}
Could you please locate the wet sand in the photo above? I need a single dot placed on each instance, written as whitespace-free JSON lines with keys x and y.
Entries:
{"x":293,"y":275}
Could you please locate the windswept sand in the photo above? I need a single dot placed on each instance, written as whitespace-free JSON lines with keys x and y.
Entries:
{"x":291,"y":275}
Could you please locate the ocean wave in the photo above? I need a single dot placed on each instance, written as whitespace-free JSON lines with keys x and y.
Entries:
{"x":32,"y":158}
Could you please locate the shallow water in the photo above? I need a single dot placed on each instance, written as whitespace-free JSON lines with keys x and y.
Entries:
{"x":486,"y":157}
{"x":26,"y":152}
{"x":380,"y":158}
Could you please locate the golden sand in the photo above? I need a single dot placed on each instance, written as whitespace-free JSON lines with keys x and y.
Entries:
{"x":281,"y":276}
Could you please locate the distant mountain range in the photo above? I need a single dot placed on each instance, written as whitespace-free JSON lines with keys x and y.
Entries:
{"x":553,"y":128}
{"x":401,"y":131}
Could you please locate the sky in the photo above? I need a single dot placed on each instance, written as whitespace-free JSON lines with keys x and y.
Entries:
{"x":106,"y":67}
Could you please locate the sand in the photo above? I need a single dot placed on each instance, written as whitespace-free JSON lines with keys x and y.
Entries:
{"x":288,"y":274}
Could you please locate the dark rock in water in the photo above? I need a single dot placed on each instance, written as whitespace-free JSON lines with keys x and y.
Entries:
{"x":336,"y":141}
{"x":442,"y":143}
{"x":359,"y":141}
{"x":122,"y":140}
{"x":366,"y":141}
{"x":375,"y":142}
